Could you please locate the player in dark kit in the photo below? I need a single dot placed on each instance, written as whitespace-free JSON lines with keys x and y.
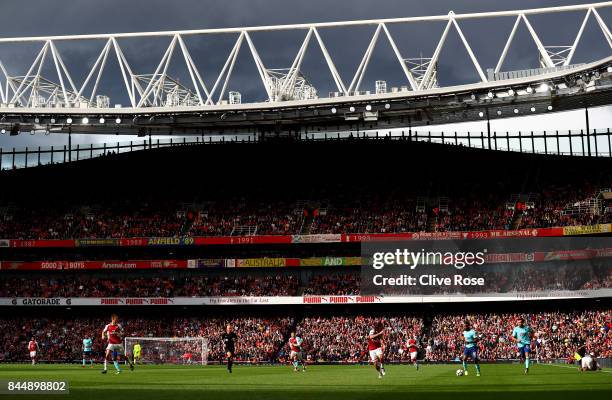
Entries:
{"x":229,"y":345}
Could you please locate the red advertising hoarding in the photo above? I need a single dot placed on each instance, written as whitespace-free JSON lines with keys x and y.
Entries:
{"x":315,"y":238}
{"x":89,"y":265}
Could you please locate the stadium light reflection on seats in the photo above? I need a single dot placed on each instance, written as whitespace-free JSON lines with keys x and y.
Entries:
{"x":68,"y":120}
{"x":85,"y":120}
{"x":118,"y":121}
{"x":102,"y":120}
{"x":543,"y":88}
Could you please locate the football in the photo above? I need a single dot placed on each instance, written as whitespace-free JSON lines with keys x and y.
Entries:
{"x":459,"y":372}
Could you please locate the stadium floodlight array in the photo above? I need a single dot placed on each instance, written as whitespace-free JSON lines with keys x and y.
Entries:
{"x":32,"y":90}
{"x":167,"y":350}
{"x":159,"y":101}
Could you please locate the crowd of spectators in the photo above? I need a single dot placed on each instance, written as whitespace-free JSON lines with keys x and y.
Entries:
{"x":114,"y":220}
{"x":556,"y":335}
{"x":363,"y":214}
{"x":60,"y":339}
{"x":513,"y":278}
{"x":74,"y":285}
{"x":508,"y":279}
{"x":563,"y":205}
{"x":334,"y":284}
{"x":360,"y":213}
{"x":344,"y":338}
{"x":263,"y":218}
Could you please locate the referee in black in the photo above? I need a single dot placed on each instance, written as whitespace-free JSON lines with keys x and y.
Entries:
{"x":229,"y":345}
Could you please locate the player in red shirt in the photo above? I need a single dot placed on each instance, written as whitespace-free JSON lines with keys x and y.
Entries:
{"x":114,"y":332}
{"x":188,"y":357}
{"x":33,"y":348}
{"x":413,"y":350}
{"x":295,"y":344}
{"x":375,"y":347}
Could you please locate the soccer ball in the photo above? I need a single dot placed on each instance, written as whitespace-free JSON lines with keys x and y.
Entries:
{"x":400,"y":351}
{"x":459,"y":372}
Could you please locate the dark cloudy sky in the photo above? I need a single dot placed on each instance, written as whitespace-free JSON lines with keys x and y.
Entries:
{"x":277,"y":50}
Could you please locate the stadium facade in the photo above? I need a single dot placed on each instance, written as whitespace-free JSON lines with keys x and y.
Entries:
{"x":268,"y":235}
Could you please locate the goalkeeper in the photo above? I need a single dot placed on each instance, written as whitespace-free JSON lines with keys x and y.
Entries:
{"x":137,"y":352}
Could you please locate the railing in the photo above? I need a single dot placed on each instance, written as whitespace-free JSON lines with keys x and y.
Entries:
{"x":35,"y":156}
{"x":597,"y":143}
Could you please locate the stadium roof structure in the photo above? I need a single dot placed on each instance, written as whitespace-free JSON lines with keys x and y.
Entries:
{"x":160,"y":104}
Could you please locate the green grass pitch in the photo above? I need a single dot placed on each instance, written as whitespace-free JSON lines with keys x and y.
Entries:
{"x":498,"y":382}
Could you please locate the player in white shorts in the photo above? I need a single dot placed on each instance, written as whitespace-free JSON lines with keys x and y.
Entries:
{"x":588,"y":363}
{"x":375,"y":349}
{"x":414,"y":352}
{"x":295,"y":344}
{"x":113,"y":332}
{"x":33,"y":348}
